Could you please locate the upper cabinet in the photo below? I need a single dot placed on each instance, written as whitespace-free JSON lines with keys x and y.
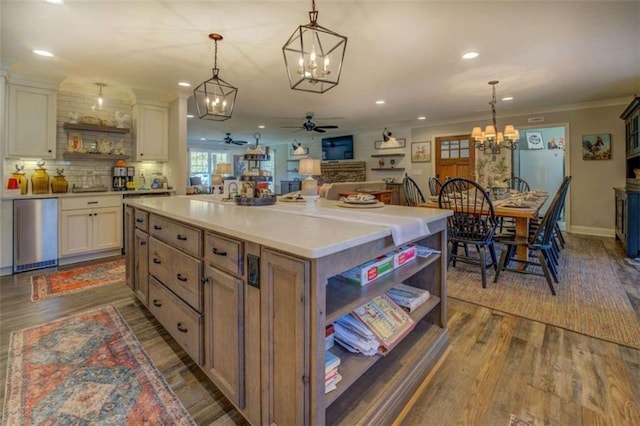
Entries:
{"x":31,"y":125}
{"x":150,"y":132}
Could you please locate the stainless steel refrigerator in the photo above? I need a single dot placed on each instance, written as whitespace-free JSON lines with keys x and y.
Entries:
{"x":35,"y":234}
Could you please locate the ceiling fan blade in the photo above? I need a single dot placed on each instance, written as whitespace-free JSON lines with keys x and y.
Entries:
{"x":319,"y":130}
{"x":239,"y":142}
{"x":326,"y":127}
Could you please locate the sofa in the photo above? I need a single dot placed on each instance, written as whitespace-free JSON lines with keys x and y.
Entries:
{"x":330,"y":191}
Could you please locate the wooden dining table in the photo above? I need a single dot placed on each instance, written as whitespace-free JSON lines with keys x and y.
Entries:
{"x":527,"y":208}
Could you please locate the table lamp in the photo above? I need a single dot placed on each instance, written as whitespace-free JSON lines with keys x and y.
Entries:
{"x":310,"y":167}
{"x":217,"y":179}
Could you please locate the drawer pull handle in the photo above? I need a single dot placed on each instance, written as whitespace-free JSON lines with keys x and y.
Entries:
{"x":92,"y":202}
{"x":182,"y":328}
{"x":157,"y":261}
{"x":219,"y":253}
{"x":143,"y":243}
{"x":182,"y":237}
{"x":158,"y":227}
{"x":139,"y":220}
{"x":157,"y":303}
{"x":181,"y":278}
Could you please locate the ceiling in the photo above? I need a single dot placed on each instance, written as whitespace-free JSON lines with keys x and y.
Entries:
{"x":546,"y":54}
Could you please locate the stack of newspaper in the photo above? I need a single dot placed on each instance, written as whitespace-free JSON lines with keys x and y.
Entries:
{"x":407,"y":296}
{"x":354,"y":336}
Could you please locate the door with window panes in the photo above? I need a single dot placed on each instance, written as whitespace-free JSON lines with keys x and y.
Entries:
{"x":455,"y":157}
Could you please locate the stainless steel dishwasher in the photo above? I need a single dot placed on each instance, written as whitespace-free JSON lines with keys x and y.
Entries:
{"x":35,"y":234}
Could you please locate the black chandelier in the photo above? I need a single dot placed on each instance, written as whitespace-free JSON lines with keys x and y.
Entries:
{"x":215,"y":98}
{"x":313,"y":56}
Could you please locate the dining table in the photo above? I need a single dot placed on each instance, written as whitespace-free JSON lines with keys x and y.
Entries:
{"x":520,"y":206}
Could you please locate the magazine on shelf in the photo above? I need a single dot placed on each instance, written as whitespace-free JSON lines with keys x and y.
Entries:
{"x":354,"y":336}
{"x":407,"y":296}
{"x":386,"y":320}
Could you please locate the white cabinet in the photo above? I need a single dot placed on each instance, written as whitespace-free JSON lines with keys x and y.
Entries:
{"x":90,"y":224}
{"x":31,"y":125}
{"x":150,"y":132}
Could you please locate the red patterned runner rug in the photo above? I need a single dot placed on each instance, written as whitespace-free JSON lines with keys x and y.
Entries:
{"x":86,"y":369}
{"x":59,"y":283}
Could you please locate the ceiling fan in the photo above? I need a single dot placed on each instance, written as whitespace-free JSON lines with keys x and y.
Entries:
{"x":310,"y":126}
{"x":228,"y":140}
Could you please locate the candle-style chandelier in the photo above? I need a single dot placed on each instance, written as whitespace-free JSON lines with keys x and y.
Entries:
{"x":490,"y":141}
{"x":313,"y":56}
{"x":215,"y":98}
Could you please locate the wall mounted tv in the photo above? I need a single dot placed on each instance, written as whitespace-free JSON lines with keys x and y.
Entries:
{"x":337,"y":148}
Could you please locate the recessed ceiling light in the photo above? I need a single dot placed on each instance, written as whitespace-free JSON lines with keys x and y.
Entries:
{"x":42,"y":53}
{"x":470,"y":55}
{"x":184,"y":84}
{"x":261,"y":126}
{"x":380,"y":102}
{"x":203,"y":139}
{"x":507,"y":98}
{"x":189,"y":115}
{"x":422,"y":117}
{"x":55,"y":1}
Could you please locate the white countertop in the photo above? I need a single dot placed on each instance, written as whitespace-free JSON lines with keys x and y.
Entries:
{"x":9,"y":195}
{"x":289,"y":226}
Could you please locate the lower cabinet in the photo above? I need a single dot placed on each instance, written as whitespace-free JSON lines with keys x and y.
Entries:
{"x":89,"y":225}
{"x":627,"y":220}
{"x":141,"y":266}
{"x":224,"y":333}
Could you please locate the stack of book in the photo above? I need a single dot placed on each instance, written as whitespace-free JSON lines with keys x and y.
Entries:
{"x":331,"y":375}
{"x":373,"y":328}
{"x":407,"y":296}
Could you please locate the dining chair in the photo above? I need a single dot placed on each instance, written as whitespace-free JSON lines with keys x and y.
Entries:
{"x":412,"y":194}
{"x":473,"y":223}
{"x":540,"y":243}
{"x":518,"y":184}
{"x":434,"y":186}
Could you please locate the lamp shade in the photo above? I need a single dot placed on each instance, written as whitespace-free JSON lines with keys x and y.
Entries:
{"x":223,"y":169}
{"x":310,"y":166}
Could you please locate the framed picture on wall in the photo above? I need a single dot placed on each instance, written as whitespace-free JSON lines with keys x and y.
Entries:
{"x":239,"y":165}
{"x":75,"y":142}
{"x":421,"y":152}
{"x":596,"y":147}
{"x":534,"y":140}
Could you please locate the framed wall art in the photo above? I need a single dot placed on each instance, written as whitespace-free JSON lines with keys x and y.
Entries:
{"x":75,"y":142}
{"x":421,"y":152}
{"x":399,"y":143}
{"x":596,"y":147}
{"x":534,"y":140}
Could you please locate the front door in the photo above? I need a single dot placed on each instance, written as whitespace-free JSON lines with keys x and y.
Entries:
{"x":455,"y":157}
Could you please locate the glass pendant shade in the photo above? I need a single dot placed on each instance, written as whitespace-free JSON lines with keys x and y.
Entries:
{"x":215,"y":98}
{"x":313,"y":56}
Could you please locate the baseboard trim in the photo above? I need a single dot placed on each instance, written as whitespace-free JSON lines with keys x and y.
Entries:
{"x":598,"y":232}
{"x":90,"y":256}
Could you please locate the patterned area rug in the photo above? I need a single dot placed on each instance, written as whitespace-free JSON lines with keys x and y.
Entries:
{"x":590,"y":299}
{"x":86,"y":369}
{"x":59,"y":283}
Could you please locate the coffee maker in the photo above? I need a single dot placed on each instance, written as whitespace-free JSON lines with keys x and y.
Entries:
{"x":119,"y":182}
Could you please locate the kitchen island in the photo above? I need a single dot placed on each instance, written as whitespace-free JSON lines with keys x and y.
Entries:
{"x":248,"y":292}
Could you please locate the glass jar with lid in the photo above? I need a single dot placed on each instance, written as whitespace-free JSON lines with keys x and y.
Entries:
{"x":40,"y":180}
{"x":59,"y":183}
{"x":23,"y":182}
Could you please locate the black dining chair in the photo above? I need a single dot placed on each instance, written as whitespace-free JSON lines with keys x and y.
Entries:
{"x":540,"y":244}
{"x":517,"y":184}
{"x":473,"y":223}
{"x":434,"y":186}
{"x":412,"y":194}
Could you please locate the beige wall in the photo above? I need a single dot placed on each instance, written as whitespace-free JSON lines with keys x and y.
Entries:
{"x":591,"y":198}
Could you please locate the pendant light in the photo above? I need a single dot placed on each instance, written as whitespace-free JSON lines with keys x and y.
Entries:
{"x":313,"y":56}
{"x":215,"y":98}
{"x":100,"y":97}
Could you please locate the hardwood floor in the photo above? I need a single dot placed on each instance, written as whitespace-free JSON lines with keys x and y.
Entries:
{"x":498,"y":364}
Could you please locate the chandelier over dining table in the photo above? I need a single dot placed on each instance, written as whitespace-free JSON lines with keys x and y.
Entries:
{"x":490,"y":141}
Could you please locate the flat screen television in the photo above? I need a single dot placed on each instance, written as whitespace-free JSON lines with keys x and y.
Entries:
{"x":337,"y":148}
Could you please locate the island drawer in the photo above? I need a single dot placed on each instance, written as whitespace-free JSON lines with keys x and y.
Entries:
{"x":142,"y":220}
{"x":178,"y":235}
{"x":225,"y":253}
{"x":90,"y":202}
{"x":178,"y":271}
{"x":182,"y":322}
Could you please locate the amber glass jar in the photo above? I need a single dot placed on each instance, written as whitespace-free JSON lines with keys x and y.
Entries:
{"x":40,"y":181}
{"x":23,"y":182}
{"x":59,"y":184}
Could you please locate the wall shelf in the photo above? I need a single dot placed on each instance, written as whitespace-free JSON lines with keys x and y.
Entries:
{"x":387,"y":155}
{"x":92,"y":156}
{"x":388,"y":169}
{"x":93,"y":128}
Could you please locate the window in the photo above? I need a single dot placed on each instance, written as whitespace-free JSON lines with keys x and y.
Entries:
{"x":203,"y":163}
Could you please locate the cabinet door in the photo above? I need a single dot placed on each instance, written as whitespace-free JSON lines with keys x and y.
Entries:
{"x":75,"y":232}
{"x":31,"y":122}
{"x":107,"y":228}
{"x":141,"y":267}
{"x":224,"y":333}
{"x":129,"y":244}
{"x":151,"y":126}
{"x":284,"y":286}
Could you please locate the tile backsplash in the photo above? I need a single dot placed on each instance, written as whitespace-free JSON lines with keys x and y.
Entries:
{"x":86,"y":172}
